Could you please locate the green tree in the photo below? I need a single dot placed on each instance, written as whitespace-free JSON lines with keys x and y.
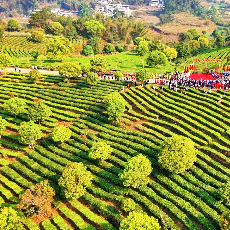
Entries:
{"x":171,"y":53}
{"x":74,"y":180}
{"x":156,"y":45}
{"x":84,"y":10}
{"x":177,"y":154}
{"x":87,"y":50}
{"x":61,"y":134}
{"x":139,"y":221}
{"x":39,"y":111}
{"x":109,"y":48}
{"x":119,"y":48}
{"x":100,"y":151}
{"x":116,"y":109}
{"x":142,"y":48}
{"x":220,"y":41}
{"x":119,"y":75}
{"x":85,"y":68}
{"x":98,"y":63}
{"x":156,"y":58}
{"x":37,"y":200}
{"x":142,"y":75}
{"x":194,"y":45}
{"x":3,"y":124}
{"x":37,"y":36}
{"x":91,"y":79}
{"x":9,"y":219}
{"x":204,"y":42}
{"x":128,"y":205}
{"x":1,"y":32}
{"x":183,"y":50}
{"x":57,"y":47}
{"x":70,"y":69}
{"x":35,"y":75}
{"x":95,"y":42}
{"x":56,"y":28}
{"x":13,"y":25}
{"x":215,"y":33}
{"x":70,"y":31}
{"x":5,"y":59}
{"x":15,"y":106}
{"x":93,"y":28}
{"x":29,"y":132}
{"x":112,"y":97}
{"x":34,"y":54}
{"x":136,"y":172}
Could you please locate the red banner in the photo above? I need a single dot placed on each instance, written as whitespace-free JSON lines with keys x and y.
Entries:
{"x":207,"y":60}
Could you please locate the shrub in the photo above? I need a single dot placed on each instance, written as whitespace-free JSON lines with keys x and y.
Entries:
{"x":142,"y":75}
{"x":119,"y":48}
{"x":35,"y":75}
{"x":137,"y":220}
{"x":3,"y":124}
{"x":128,"y":205}
{"x":116,"y":109}
{"x":37,"y":35}
{"x":37,"y":200}
{"x":156,"y":58}
{"x":9,"y":219}
{"x":177,"y":154}
{"x":70,"y":69}
{"x":39,"y":111}
{"x":111,"y":97}
{"x":100,"y":151}
{"x":109,"y":48}
{"x":91,"y":79}
{"x":136,"y":172}
{"x":74,"y":180}
{"x":61,"y":133}
{"x":224,"y":192}
{"x":225,"y":221}
{"x":87,"y":50}
{"x":15,"y":106}
{"x":119,"y":75}
{"x":29,"y":132}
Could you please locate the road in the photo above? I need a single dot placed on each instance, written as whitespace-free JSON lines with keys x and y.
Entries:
{"x":43,"y":71}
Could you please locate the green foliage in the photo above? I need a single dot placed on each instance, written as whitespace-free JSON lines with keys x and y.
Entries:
{"x":194,"y":45}
{"x":1,"y":32}
{"x":156,"y":45}
{"x":37,"y":36}
{"x":128,"y":205}
{"x":39,"y":111}
{"x":119,"y":75}
{"x":3,"y":124}
{"x":85,"y":68}
{"x":108,"y":48}
{"x":56,"y":28}
{"x":35,"y":75}
{"x":183,"y":50}
{"x":29,"y":132}
{"x":74,"y":180}
{"x":61,"y":134}
{"x":112,"y":97}
{"x":224,"y":221}
{"x":177,"y":154}
{"x":91,"y":78}
{"x":215,"y":33}
{"x":116,"y":109}
{"x":171,"y":53}
{"x":142,"y":48}
{"x":156,"y":58}
{"x":98,"y":63}
{"x":100,"y":151}
{"x":34,"y":54}
{"x":57,"y":47}
{"x":204,"y":42}
{"x":87,"y":50}
{"x":224,"y":192}
{"x":5,"y":59}
{"x":139,"y":221}
{"x":9,"y":219}
{"x":142,"y":75}
{"x":220,"y":41}
{"x":15,"y":106}
{"x":70,"y":31}
{"x":93,"y":28}
{"x":119,"y":48}
{"x":136,"y":172}
{"x":70,"y":69}
{"x":95,"y":42}
{"x":37,"y":199}
{"x":13,"y":25}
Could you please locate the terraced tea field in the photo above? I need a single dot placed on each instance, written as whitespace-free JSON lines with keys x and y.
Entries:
{"x":185,"y":201}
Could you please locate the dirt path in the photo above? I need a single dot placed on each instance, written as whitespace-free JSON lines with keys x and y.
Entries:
{"x":43,"y":71}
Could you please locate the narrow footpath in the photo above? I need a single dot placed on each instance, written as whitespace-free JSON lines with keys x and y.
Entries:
{"x":43,"y":71}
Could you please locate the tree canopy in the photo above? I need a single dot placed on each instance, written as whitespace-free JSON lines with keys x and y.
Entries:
{"x":93,"y":28}
{"x":91,"y":78}
{"x":61,"y":134}
{"x":56,"y":28}
{"x":139,"y":221}
{"x":13,"y":25}
{"x":15,"y":106}
{"x":177,"y":154}
{"x":37,"y":35}
{"x":74,"y":180}
{"x":70,"y":69}
{"x":156,"y":58}
{"x":5,"y":59}
{"x":136,"y":172}
{"x":35,"y":75}
{"x":142,"y":75}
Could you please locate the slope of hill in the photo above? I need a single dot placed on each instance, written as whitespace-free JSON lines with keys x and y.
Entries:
{"x":186,"y":201}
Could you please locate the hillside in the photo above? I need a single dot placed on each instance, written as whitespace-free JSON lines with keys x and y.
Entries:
{"x":185,"y":201}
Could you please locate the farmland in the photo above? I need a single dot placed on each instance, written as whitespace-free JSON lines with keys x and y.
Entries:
{"x":185,"y":201}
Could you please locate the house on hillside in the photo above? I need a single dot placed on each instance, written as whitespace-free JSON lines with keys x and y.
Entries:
{"x":157,"y":3}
